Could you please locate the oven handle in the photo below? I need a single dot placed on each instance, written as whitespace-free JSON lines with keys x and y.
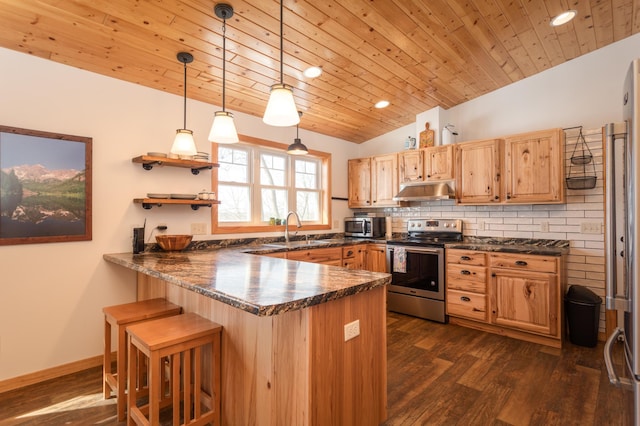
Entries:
{"x":419,"y":250}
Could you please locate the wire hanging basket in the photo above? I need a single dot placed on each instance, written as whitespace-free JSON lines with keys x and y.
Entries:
{"x":579,"y":177}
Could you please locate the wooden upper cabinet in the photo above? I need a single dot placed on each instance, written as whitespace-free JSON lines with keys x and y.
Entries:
{"x":384,"y":180}
{"x":534,"y":167}
{"x":410,"y":166}
{"x":438,"y":163}
{"x":478,"y":172}
{"x":359,"y":176}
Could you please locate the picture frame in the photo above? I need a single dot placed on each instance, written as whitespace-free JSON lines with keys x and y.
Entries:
{"x":45,"y":187}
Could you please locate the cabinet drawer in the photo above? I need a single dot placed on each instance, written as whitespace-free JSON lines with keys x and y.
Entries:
{"x":524,"y":262}
{"x":466,"y":257}
{"x":322,"y":255}
{"x":468,"y":305}
{"x":467,"y":278}
{"x":349,"y":252}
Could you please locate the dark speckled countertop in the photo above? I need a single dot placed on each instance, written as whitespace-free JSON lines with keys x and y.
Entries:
{"x":513,"y":245}
{"x":260,"y":285}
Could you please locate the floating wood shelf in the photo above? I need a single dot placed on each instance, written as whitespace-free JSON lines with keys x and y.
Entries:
{"x":148,"y":203}
{"x":148,"y":162}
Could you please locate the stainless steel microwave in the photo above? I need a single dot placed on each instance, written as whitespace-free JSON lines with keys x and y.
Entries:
{"x":364,"y":227}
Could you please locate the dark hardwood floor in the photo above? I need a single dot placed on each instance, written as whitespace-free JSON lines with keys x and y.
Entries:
{"x":438,"y":375}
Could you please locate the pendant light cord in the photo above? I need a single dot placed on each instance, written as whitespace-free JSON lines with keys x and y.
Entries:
{"x":281,"y":42}
{"x":185,"y":95}
{"x":224,"y":61}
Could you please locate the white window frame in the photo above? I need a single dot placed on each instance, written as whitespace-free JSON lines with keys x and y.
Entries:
{"x":256,"y":147}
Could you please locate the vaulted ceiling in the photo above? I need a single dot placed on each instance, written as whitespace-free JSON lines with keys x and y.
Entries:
{"x":417,"y":54}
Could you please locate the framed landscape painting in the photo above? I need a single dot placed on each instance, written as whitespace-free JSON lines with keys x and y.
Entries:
{"x":45,"y":187}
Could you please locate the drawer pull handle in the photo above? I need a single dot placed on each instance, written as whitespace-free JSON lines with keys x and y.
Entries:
{"x":350,"y":253}
{"x":465,"y":272}
{"x":465,"y":299}
{"x":465,"y":258}
{"x":521,"y":263}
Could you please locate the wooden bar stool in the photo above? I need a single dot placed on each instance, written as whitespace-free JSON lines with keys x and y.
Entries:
{"x":120,"y":316}
{"x":181,"y":339}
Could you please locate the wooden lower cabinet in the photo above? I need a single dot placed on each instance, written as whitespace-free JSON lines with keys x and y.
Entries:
{"x":370,"y":257}
{"x":376,"y":258}
{"x":327,"y":256}
{"x":517,"y":295}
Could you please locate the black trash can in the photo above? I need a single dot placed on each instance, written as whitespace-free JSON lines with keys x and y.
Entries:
{"x":582,"y":307}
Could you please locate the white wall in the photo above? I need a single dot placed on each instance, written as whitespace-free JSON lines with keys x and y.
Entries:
{"x":51,"y":295}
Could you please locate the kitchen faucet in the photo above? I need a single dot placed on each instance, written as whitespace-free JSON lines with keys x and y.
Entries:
{"x":286,"y":224}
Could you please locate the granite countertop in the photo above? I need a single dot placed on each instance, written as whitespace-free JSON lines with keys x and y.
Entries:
{"x":513,"y":245}
{"x":261,"y":285}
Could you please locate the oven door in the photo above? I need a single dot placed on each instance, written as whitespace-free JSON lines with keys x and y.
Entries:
{"x":424,"y":272}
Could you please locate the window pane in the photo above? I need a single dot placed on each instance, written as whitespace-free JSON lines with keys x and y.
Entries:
{"x":308,"y":205}
{"x":233,"y":165}
{"x":274,"y":204}
{"x":235,"y":204}
{"x":272,"y":170}
{"x":306,"y":174}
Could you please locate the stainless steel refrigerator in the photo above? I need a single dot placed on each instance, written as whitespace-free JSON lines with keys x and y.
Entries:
{"x":622,"y":236}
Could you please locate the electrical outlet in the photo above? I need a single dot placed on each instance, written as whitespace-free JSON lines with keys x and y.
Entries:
{"x":351,"y":330}
{"x":544,"y":226}
{"x":336,"y":224}
{"x":198,"y":228}
{"x":591,"y":228}
{"x":481,"y":225}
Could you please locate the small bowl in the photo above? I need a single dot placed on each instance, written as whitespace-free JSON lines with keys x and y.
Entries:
{"x":173,"y":242}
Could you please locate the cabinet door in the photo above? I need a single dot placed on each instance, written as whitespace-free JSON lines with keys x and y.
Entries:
{"x":384,"y":180}
{"x":438,"y":163}
{"x":376,"y":258}
{"x":534,"y":167}
{"x":525,"y":300}
{"x":410,"y":166}
{"x":359,"y":176}
{"x":478,"y":172}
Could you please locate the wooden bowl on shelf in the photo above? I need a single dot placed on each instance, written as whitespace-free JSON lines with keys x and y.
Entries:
{"x":173,"y":242}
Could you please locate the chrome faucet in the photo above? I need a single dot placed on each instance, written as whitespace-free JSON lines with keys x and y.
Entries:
{"x":286,"y":224}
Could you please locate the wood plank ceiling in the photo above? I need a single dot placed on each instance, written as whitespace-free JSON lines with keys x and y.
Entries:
{"x":417,"y":54}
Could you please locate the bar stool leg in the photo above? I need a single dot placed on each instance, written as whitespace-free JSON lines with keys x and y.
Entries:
{"x":106,"y":360}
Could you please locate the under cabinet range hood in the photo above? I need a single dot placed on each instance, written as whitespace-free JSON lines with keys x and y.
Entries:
{"x":424,"y":191}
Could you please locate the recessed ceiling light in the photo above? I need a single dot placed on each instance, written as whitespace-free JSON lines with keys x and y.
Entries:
{"x":312,"y":72}
{"x":382,"y":104}
{"x":563,"y":18}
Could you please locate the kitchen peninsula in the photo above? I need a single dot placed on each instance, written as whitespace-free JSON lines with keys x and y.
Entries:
{"x":284,"y":355}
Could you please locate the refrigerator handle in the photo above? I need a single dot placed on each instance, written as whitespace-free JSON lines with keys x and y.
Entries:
{"x":623,"y":383}
{"x":614,"y":301}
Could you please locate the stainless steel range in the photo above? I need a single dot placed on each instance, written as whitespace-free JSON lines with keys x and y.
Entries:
{"x":416,"y":263}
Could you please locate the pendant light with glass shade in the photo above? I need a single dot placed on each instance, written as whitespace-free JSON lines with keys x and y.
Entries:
{"x":281,"y":109}
{"x":297,"y":147}
{"x":223,"y":129}
{"x":184,"y":144}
